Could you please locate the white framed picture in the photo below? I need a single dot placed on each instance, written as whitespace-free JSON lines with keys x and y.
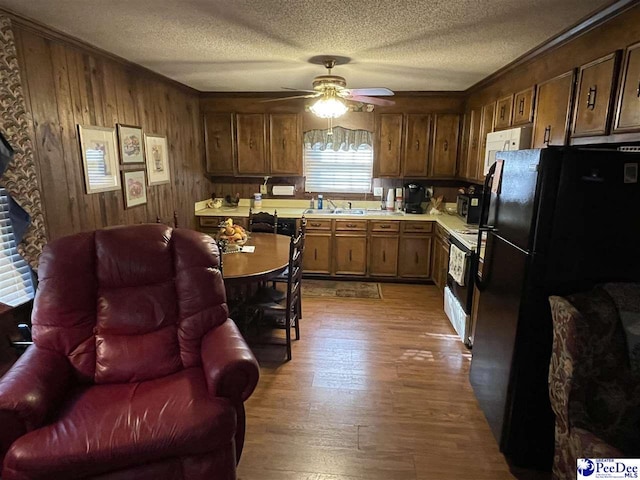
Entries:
{"x":131,"y":144}
{"x":157,"y":155}
{"x":99,"y":158}
{"x":135,"y":188}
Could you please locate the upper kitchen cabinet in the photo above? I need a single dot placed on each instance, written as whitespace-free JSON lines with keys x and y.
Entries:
{"x":389,"y":128}
{"x":285,"y":144}
{"x":594,"y":97}
{"x":523,"y":107}
{"x":486,"y":126}
{"x":445,"y":145}
{"x":473,"y":146}
{"x":416,"y":145}
{"x":628,"y":114}
{"x":250,"y":130}
{"x":553,"y":107}
{"x":504,"y":108}
{"x":219,"y":143}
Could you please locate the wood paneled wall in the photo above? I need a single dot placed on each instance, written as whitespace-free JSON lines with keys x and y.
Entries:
{"x":615,"y":34}
{"x":65,"y":85}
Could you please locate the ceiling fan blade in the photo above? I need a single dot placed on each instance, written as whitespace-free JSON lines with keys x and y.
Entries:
{"x":371,"y":100}
{"x":289,"y":98}
{"x":380,"y":92}
{"x":298,"y":90}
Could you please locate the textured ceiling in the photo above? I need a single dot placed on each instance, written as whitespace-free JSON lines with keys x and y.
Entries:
{"x":261,"y":45}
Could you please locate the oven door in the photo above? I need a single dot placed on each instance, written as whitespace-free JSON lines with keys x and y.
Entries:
{"x":463,"y":293}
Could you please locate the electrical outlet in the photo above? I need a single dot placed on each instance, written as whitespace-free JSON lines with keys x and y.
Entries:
{"x":263,"y":189}
{"x":377,"y":191}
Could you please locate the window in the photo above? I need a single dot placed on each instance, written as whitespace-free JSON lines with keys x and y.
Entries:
{"x":16,"y":285}
{"x":345,"y":169}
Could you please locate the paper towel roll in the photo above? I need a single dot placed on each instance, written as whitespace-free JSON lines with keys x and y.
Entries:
{"x":283,"y":190}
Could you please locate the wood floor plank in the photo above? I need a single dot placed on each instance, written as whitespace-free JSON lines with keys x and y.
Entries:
{"x":377,"y":389}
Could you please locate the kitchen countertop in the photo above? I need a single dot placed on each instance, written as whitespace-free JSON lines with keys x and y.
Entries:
{"x":294,"y":208}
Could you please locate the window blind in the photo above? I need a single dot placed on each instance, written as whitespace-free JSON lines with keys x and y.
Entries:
{"x":338,"y":172}
{"x":16,"y":285}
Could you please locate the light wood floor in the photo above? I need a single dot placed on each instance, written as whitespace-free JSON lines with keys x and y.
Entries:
{"x":376,"y":390}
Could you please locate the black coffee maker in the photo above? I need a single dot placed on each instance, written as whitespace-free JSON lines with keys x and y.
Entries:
{"x":413,"y":198}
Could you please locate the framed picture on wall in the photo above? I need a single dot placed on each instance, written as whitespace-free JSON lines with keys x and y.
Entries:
{"x":157,"y":155}
{"x":135,"y":188}
{"x":131,"y":144}
{"x":99,"y":158}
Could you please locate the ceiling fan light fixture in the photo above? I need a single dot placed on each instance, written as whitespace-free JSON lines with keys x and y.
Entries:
{"x":329,"y":106}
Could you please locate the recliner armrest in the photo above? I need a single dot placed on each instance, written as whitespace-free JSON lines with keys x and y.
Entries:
{"x":30,"y":391}
{"x":229,"y":366}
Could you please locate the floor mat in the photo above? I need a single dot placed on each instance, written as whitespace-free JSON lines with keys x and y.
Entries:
{"x":330,"y":288}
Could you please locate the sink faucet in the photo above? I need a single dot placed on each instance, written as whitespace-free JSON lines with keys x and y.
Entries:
{"x":330,"y":202}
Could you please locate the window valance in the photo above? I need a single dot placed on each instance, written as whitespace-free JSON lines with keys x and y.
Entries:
{"x":341,"y":139}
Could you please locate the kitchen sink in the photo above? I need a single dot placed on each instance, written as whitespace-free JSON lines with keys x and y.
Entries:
{"x":384,"y":212}
{"x":337,"y":211}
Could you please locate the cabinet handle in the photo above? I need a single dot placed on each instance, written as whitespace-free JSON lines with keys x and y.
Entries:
{"x":384,"y":257}
{"x":591,"y":97}
{"x":521,"y":107}
{"x":218,"y":143}
{"x":251,"y":143}
{"x":418,"y":228}
{"x":315,"y":254}
{"x":446,"y":145}
{"x":547,"y":135}
{"x":315,"y":224}
{"x":417,"y":258}
{"x":284,"y":144}
{"x":638,"y":90}
{"x":502,"y":111}
{"x":351,"y":225}
{"x":389,"y":143}
{"x":349,"y":255}
{"x":385,"y":226}
{"x":417,"y":144}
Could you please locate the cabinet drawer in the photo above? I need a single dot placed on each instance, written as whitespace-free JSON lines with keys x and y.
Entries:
{"x":381,"y":226}
{"x":442,"y":232}
{"x":417,"y":227}
{"x":351,"y":225}
{"x":210,"y":221}
{"x":318,"y":224}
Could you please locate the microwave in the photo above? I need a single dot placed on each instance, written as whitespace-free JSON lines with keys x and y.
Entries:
{"x":468,"y":207}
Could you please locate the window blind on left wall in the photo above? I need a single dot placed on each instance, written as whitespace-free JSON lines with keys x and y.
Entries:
{"x":16,"y":283}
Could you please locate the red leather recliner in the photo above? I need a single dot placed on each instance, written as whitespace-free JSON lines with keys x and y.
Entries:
{"x":136,"y":371}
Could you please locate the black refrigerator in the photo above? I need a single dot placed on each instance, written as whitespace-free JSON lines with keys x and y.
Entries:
{"x":555,"y":221}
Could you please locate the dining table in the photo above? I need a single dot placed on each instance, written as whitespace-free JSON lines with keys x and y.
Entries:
{"x":269,"y":258}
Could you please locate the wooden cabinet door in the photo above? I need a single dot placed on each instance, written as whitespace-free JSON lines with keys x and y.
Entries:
{"x":445,"y":145}
{"x":504,"y":108}
{"x":285,"y":144}
{"x":440,"y":263}
{"x":473,"y":147}
{"x":592,"y":112}
{"x":553,"y":104}
{"x":250,"y":131}
{"x":416,"y":145}
{"x":486,"y":126}
{"x":628,"y":114}
{"x":389,"y":143}
{"x":317,"y":253}
{"x":523,"y":107}
{"x":350,"y":254}
{"x":219,"y":143}
{"x":414,"y":259}
{"x":383,"y":256}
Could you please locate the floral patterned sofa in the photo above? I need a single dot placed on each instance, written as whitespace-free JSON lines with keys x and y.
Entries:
{"x":594,"y":378}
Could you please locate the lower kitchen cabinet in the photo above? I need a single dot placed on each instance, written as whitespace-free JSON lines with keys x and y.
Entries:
{"x":317,"y":252}
{"x":414,"y":259}
{"x":383,"y":256}
{"x":350,"y":254}
{"x":440,"y":263}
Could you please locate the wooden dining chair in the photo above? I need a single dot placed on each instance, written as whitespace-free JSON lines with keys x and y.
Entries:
{"x":263,"y":222}
{"x":276,"y":294}
{"x":286,"y":316}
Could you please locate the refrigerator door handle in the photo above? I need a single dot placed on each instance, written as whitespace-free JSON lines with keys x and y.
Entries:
{"x":484,"y":229}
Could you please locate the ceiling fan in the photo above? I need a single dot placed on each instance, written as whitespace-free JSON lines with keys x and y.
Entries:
{"x":331,"y":91}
